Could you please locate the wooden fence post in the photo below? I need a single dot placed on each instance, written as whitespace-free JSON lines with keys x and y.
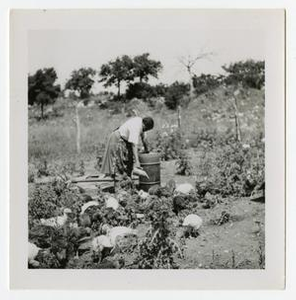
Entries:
{"x":179,"y":116}
{"x":78,"y":132}
{"x":237,"y":123}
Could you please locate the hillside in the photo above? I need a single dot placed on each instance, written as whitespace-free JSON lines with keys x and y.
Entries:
{"x":211,"y":113}
{"x":214,"y":110}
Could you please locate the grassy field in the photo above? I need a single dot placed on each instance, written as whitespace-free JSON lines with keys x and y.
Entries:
{"x":211,"y":114}
{"x":220,"y":170}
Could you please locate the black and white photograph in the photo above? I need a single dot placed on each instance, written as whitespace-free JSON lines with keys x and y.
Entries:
{"x":146,"y":149}
{"x":146,"y":139}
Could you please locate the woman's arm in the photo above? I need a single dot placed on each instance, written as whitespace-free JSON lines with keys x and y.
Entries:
{"x":136,"y":156}
{"x":144,"y":142}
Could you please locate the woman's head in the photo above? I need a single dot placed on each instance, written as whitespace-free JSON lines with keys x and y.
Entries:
{"x":148,"y":123}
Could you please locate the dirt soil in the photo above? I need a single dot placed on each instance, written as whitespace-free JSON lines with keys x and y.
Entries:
{"x":238,"y":243}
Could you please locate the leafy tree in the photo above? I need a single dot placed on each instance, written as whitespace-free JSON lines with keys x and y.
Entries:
{"x":117,"y":71}
{"x":42,"y":89}
{"x":175,"y":93}
{"x":249,"y":73}
{"x":82,"y":81}
{"x":144,"y":67}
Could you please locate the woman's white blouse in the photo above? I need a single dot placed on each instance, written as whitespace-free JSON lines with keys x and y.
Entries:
{"x":131,"y":130}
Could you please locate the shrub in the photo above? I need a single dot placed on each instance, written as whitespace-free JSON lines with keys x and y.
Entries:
{"x":42,"y":169}
{"x":158,"y":249}
{"x":140,"y":90}
{"x":44,"y":202}
{"x":145,"y":91}
{"x":63,"y":244}
{"x":205,"y":83}
{"x":175,"y":93}
{"x":48,"y":199}
{"x":229,"y":170}
{"x":169,"y":144}
{"x":157,"y":103}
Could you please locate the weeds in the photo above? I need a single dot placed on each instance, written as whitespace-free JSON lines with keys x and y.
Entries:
{"x":224,"y":168}
{"x":261,"y":257}
{"x":169,"y":144}
{"x":42,"y":168}
{"x":233,"y":262}
{"x":81,"y":168}
{"x":157,"y":250}
{"x":227,"y":173}
{"x":184,"y":166}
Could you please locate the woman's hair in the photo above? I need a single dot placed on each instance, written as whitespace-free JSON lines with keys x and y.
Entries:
{"x":148,"y":123}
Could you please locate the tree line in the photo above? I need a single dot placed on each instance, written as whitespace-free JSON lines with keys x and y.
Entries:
{"x":135,"y":72}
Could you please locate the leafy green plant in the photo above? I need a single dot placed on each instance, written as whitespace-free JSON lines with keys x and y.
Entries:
{"x":158,"y":249}
{"x":206,"y":82}
{"x":47,"y":200}
{"x":44,"y":203}
{"x":169,"y":144}
{"x":68,"y":168}
{"x":227,"y":172}
{"x":184,"y":166}
{"x":42,"y":168}
{"x":61,"y":244}
{"x":32,"y":173}
{"x":81,"y":168}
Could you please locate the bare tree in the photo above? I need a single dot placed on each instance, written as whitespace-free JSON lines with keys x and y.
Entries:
{"x":188,"y":62}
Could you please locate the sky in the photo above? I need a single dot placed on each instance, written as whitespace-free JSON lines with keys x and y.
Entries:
{"x":167,"y":38}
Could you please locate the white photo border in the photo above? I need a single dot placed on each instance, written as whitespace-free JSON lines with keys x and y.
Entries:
{"x":273,"y":277}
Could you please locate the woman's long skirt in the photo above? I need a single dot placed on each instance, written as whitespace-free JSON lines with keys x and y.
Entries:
{"x":118,"y":156}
